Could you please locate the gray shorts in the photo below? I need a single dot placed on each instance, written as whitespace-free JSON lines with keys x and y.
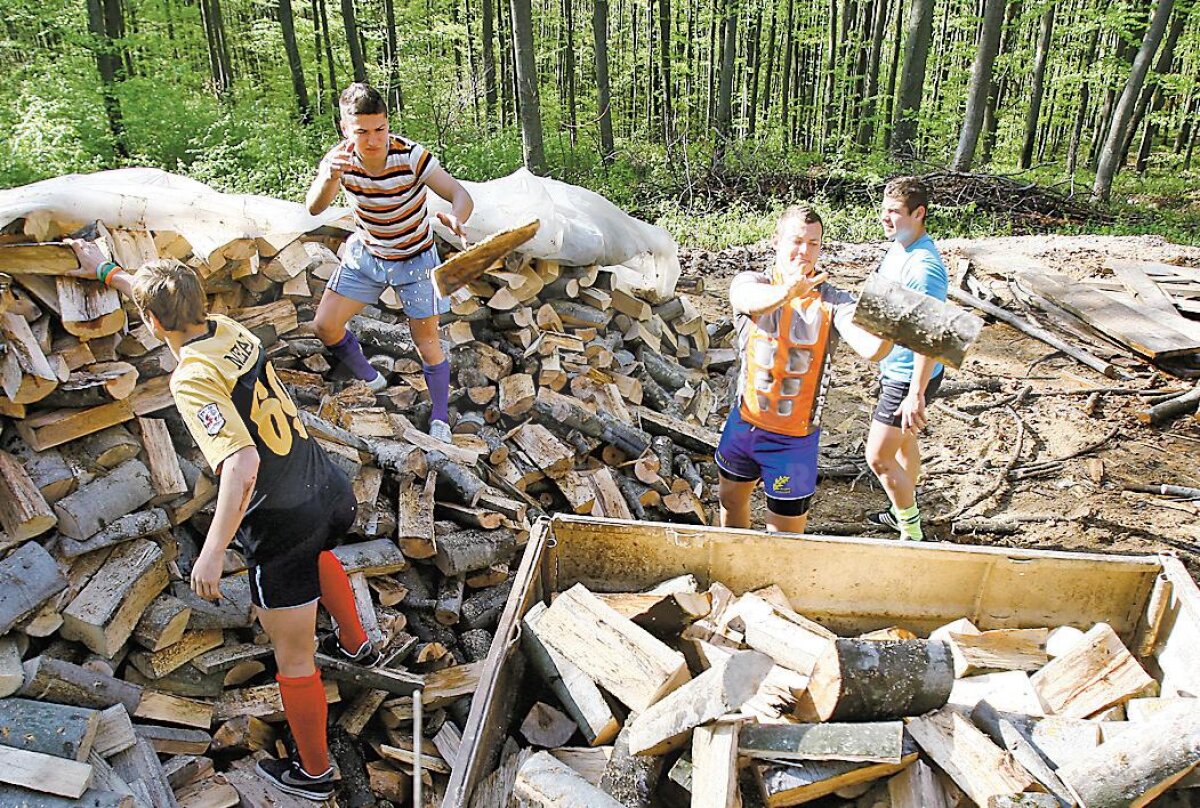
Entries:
{"x":364,"y":277}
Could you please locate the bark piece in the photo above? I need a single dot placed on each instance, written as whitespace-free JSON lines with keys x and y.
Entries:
{"x":50,"y":679}
{"x":51,"y":729}
{"x":466,"y":551}
{"x":868,"y":742}
{"x":132,"y":526}
{"x":630,"y":779}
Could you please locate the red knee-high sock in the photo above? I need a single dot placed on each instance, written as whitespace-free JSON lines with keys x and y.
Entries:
{"x":306,"y":711}
{"x":338,"y":599}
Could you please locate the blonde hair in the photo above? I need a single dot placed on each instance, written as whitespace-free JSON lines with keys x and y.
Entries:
{"x":172,"y":292}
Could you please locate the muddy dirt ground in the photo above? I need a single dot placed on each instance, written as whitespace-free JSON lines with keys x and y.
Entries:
{"x":1081,"y":506}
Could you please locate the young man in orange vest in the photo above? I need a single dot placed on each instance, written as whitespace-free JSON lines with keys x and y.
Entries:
{"x":907,"y":380}
{"x":787,"y":324}
{"x":279,"y":494}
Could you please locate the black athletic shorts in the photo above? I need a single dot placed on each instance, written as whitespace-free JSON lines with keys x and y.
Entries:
{"x":284,"y":571}
{"x":892,"y":395}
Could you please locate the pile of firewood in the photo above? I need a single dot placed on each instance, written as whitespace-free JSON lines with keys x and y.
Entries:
{"x":677,"y":697}
{"x":123,"y":686}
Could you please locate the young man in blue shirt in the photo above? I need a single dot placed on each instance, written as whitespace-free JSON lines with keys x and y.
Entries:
{"x":907,"y":380}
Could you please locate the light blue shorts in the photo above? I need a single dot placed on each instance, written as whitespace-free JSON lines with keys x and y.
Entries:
{"x":364,"y":277}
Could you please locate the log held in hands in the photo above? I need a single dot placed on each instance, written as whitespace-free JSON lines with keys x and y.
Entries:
{"x":921,"y":323}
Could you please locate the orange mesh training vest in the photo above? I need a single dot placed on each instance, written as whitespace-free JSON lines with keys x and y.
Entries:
{"x":781,"y":377}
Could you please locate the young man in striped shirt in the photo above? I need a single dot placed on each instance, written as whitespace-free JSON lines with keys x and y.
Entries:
{"x":385,"y":177}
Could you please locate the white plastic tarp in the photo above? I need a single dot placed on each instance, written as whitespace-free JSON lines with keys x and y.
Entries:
{"x":578,"y":227}
{"x":151,"y":199}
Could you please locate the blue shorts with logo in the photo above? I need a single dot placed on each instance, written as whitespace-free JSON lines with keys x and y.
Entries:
{"x":786,"y":464}
{"x":364,"y":277}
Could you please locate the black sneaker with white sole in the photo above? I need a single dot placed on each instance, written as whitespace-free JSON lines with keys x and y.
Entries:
{"x":884,"y":518}
{"x":287,"y":776}
{"x":366,"y":656}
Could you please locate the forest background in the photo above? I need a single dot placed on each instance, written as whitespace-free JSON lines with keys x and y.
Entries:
{"x":706,"y":116}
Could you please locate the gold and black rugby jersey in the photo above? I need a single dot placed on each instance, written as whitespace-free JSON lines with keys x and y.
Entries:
{"x":231,"y":398}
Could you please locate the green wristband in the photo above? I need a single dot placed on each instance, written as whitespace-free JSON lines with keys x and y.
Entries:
{"x":104,"y":270}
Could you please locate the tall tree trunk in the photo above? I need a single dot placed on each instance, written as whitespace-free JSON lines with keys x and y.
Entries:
{"x":712,"y":64}
{"x":725,"y":88}
{"x":1110,"y":156}
{"x":503,"y":35}
{"x":831,"y":68}
{"x":569,"y":67}
{"x":395,"y":93}
{"x":222,"y":42}
{"x":664,"y":68}
{"x":1085,"y":92}
{"x":918,"y":33}
{"x":288,"y":26}
{"x":866,"y":127}
{"x":527,"y":87}
{"x":487,"y":39}
{"x":771,"y":48}
{"x":785,"y":80}
{"x":755,"y":67}
{"x":889,"y":98}
{"x":352,"y":41}
{"x":106,"y":65}
{"x":991,"y":117}
{"x":1162,"y":66}
{"x":603,"y":92}
{"x":1035,"y":92}
{"x":981,"y":84}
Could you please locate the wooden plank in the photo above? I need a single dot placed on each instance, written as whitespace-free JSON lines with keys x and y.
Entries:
{"x":917,"y":787}
{"x":690,"y":436}
{"x":1151,"y":296}
{"x":1142,"y":334}
{"x":51,"y":258}
{"x":869,"y":742}
{"x":621,"y":657}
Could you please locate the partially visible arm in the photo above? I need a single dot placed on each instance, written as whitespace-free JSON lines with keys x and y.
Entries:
{"x":239,"y":474}
{"x":452,"y":191}
{"x":328,"y":181}
{"x":757,"y":299}
{"x":864,"y":343}
{"x":90,"y":257}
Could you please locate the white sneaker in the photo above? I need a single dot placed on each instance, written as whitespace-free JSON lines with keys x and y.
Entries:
{"x":441,"y":431}
{"x":378,"y":383}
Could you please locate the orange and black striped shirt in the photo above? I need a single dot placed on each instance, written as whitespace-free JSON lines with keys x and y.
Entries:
{"x":389,"y":207}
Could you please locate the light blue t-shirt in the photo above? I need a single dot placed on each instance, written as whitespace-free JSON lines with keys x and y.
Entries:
{"x":918,"y":267}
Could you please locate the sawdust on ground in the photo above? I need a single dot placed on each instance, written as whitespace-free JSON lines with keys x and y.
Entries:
{"x":1087,"y":501}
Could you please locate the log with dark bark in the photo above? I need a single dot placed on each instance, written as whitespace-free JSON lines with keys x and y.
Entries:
{"x":463,"y":551}
{"x":868,"y":680}
{"x":919,"y":322}
{"x":563,"y":413}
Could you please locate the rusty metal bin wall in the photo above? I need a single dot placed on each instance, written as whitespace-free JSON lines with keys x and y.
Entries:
{"x":851,"y":585}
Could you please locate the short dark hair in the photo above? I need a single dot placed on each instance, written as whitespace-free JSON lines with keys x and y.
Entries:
{"x":361,"y":98}
{"x":801,"y":212}
{"x":912,"y":191}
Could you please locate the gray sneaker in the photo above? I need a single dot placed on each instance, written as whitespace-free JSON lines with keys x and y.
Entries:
{"x":378,"y":384}
{"x":441,"y":431}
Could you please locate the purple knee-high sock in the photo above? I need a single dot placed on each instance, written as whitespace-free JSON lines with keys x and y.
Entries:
{"x":350,"y":353}
{"x":437,"y":378}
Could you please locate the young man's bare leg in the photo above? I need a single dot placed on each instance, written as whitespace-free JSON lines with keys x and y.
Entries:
{"x":436,"y":368}
{"x":884,"y":446}
{"x":735,"y":502}
{"x":293,"y":636}
{"x":778,"y":523}
{"x":333,"y":312}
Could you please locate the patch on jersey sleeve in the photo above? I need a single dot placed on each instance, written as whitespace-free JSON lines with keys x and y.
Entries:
{"x":211,"y":418}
